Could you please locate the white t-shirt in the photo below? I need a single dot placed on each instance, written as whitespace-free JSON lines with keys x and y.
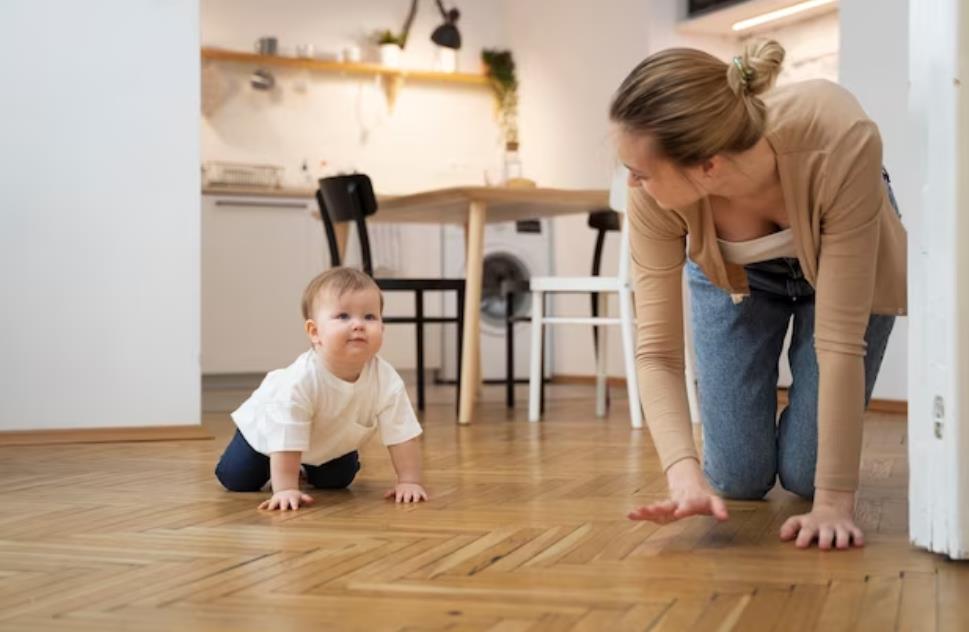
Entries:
{"x":305,"y":408}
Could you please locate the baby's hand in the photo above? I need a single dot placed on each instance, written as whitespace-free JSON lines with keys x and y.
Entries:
{"x":407,"y":493}
{"x":286,"y":499}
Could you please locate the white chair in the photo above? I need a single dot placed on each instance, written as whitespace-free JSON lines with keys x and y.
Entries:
{"x":691,"y":389}
{"x":622,"y":286}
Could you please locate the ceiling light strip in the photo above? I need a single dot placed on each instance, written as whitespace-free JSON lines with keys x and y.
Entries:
{"x":779,"y":14}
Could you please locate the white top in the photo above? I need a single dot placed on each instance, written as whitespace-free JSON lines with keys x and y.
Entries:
{"x":773,"y":246}
{"x":305,"y":408}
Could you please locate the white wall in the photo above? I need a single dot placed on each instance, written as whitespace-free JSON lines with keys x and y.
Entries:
{"x":873,"y":65}
{"x":437,"y":135}
{"x":99,"y":230}
{"x":811,"y":48}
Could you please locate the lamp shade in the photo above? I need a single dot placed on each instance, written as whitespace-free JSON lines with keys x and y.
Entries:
{"x":447,"y":35}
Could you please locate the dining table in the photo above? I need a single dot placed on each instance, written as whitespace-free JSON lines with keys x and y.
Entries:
{"x":473,"y":207}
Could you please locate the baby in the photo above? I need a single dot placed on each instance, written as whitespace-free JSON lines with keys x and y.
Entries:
{"x":321,"y":409}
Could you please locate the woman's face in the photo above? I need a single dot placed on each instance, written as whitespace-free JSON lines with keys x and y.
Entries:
{"x":669,"y":185}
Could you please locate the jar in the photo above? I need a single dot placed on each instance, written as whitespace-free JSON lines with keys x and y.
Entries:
{"x":512,"y":162}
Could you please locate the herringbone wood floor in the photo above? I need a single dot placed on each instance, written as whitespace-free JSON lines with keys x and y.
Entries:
{"x":525,"y":532}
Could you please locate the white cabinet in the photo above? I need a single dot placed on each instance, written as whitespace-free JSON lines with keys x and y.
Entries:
{"x":258,"y":253}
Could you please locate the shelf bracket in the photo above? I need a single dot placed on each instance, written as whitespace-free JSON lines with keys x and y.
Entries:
{"x":392,"y":83}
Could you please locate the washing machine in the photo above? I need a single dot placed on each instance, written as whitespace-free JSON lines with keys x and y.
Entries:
{"x":512,"y":251}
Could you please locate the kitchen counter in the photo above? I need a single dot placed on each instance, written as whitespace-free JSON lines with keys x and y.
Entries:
{"x":286,"y":192}
{"x":449,"y":205}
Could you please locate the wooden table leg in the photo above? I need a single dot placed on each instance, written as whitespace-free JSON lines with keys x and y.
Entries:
{"x":470,"y":368}
{"x":476,"y":382}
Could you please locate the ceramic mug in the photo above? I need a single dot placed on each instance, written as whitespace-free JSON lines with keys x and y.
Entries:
{"x":267,"y":45}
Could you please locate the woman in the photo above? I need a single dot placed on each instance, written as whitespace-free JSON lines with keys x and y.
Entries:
{"x":779,"y":208}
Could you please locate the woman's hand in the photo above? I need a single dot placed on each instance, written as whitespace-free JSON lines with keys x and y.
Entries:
{"x":831,"y":522}
{"x":286,"y":499}
{"x":690,"y":495}
{"x":407,"y":493}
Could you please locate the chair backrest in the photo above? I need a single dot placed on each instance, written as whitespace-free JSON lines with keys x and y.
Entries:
{"x":348,"y":198}
{"x":603,"y":221}
{"x":329,"y":231}
{"x":619,"y":201}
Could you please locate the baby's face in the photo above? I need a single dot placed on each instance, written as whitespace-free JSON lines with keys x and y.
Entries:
{"x":349,"y":327}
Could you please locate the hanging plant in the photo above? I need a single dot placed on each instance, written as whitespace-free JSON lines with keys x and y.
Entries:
{"x":500,"y":67}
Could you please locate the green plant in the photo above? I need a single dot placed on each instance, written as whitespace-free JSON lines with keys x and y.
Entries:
{"x":500,"y":65}
{"x":400,"y":39}
{"x":388,"y":37}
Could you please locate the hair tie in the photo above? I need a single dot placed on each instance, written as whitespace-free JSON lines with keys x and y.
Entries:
{"x":746,"y":74}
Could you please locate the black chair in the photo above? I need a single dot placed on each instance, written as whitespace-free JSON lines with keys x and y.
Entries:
{"x":350,"y":198}
{"x":603,"y":221}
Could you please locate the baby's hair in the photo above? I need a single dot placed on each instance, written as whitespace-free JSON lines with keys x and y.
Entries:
{"x":339,"y":281}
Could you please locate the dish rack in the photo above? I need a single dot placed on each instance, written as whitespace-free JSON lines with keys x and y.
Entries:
{"x":219,"y":173}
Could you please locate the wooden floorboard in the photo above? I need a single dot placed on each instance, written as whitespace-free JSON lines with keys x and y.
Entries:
{"x":525,"y":532}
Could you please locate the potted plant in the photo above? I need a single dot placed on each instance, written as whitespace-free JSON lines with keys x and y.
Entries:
{"x":392,"y":44}
{"x":500,"y":68}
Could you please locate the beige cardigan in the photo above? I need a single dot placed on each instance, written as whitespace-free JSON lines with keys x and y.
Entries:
{"x":851,"y":247}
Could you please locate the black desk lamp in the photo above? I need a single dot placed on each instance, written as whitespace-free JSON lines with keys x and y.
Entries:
{"x":447,"y":35}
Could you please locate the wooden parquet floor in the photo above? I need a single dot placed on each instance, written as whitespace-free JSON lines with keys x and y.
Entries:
{"x":525,"y":532}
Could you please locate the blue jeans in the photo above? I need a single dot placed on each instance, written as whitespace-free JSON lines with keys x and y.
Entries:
{"x":746,"y":447}
{"x":242,"y":469}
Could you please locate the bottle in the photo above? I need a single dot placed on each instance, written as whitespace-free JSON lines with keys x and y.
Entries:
{"x":513,"y":163}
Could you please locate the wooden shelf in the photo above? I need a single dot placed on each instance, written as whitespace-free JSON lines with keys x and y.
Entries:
{"x":218,"y":54}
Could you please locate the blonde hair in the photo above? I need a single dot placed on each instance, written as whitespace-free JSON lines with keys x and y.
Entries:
{"x":338,"y":281}
{"x":695,"y":105}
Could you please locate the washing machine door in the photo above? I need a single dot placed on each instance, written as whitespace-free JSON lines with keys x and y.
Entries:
{"x":515,"y":258}
{"x":500,"y":266}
